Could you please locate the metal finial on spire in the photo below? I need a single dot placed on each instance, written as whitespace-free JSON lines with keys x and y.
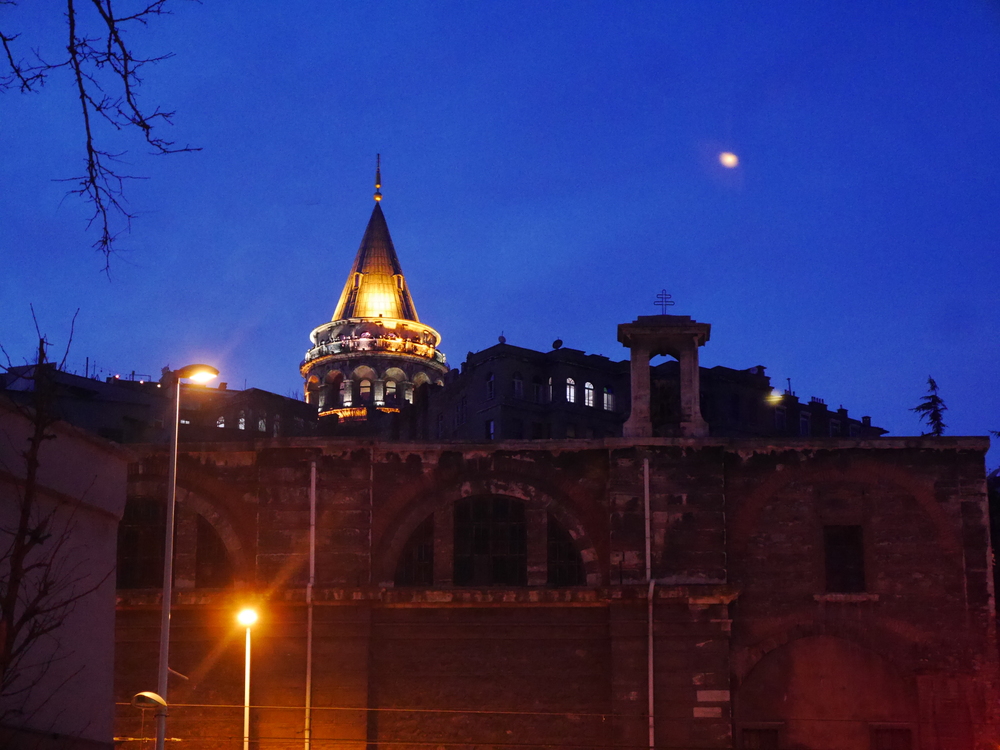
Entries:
{"x":378,"y":177}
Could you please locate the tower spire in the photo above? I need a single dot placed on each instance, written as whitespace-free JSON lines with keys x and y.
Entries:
{"x":378,"y":177}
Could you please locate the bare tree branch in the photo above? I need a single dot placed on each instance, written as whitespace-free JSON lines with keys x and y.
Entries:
{"x":106,"y":73}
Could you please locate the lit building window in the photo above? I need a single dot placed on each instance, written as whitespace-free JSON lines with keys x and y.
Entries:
{"x":220,"y":422}
{"x":390,"y":391}
{"x":490,"y":386}
{"x":588,"y":394}
{"x":518,"y":385}
{"x":548,"y":392}
{"x":570,"y":391}
{"x":609,"y":399}
{"x":345,"y":394}
{"x":262,"y":423}
{"x":365,"y":390}
{"x":242,"y":423}
{"x":490,"y":429}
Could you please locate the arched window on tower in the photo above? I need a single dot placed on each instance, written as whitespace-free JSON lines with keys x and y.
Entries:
{"x":390,"y":392}
{"x":570,"y":391}
{"x":588,"y":394}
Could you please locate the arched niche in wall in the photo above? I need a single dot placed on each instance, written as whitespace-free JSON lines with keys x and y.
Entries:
{"x":859,"y":529}
{"x":331,"y":389}
{"x":487,"y":532}
{"x":211,"y":556}
{"x":825,"y":691}
{"x":313,"y":389}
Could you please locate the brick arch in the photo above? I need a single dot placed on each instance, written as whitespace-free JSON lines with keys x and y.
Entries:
{"x":220,"y":521}
{"x":895,"y":648}
{"x":746,"y":516}
{"x":438,"y":496}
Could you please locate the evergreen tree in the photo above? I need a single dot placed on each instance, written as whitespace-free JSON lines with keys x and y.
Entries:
{"x":931,"y":409}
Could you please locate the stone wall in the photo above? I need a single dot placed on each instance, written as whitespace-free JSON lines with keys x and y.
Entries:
{"x":739,"y":602}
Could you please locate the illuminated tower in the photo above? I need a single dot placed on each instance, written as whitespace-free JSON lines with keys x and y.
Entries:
{"x":375,"y":351}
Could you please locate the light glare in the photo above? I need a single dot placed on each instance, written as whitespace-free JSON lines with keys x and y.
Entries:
{"x":728,"y":159}
{"x":246,"y":617}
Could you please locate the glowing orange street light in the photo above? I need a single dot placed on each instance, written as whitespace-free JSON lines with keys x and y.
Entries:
{"x":246,"y":618}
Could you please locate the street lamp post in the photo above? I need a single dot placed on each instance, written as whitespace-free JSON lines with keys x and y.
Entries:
{"x":247,"y":618}
{"x":199,"y":374}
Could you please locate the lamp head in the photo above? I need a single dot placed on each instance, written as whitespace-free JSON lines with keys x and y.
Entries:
{"x":246,"y":617}
{"x":197,"y":373}
{"x":146,"y":699}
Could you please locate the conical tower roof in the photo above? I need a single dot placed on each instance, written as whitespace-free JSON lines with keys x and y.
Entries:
{"x":376,"y":287}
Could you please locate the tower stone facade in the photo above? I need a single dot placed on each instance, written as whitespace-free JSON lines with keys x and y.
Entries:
{"x":375,"y":351}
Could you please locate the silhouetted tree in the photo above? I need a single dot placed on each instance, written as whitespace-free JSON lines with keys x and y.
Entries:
{"x":39,"y":582}
{"x":931,"y":409}
{"x":106,"y":74}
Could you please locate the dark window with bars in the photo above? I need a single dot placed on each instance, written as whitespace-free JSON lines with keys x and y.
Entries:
{"x":760,"y":739}
{"x":564,"y":562}
{"x":140,"y":544}
{"x":891,"y":738}
{"x":490,"y":542}
{"x":212,"y":566}
{"x":416,"y":563}
{"x":844,"y":553}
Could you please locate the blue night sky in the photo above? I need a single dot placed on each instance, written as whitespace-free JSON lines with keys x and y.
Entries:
{"x":547,"y":168}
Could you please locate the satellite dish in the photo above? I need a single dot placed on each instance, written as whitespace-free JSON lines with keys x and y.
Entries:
{"x":146,"y":699}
